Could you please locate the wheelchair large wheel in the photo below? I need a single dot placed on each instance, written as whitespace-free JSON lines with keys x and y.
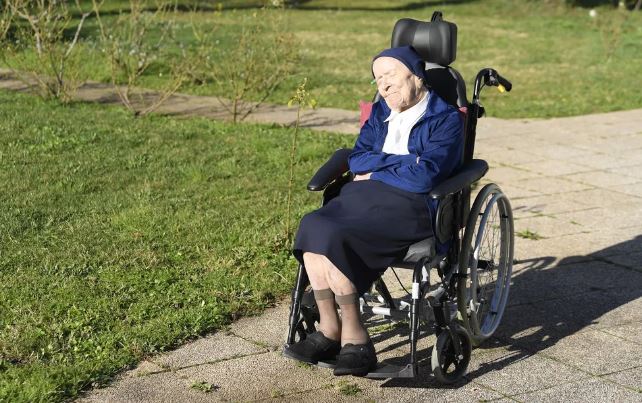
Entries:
{"x":448,"y":366}
{"x":487,"y":259}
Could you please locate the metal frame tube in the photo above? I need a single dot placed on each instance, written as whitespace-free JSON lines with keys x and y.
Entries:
{"x":302,"y":281}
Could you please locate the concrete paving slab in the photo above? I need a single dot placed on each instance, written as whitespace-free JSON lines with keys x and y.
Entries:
{"x":505,"y":174}
{"x":165,"y":387}
{"x":634,"y":189}
{"x":269,"y":331}
{"x":568,"y":280}
{"x":605,"y":198}
{"x":552,"y":185}
{"x":624,"y":142}
{"x":540,"y":324}
{"x":548,"y":205}
{"x":596,"y":218}
{"x":633,"y":170}
{"x":600,"y":160}
{"x":630,"y":378}
{"x":544,"y":226}
{"x":548,"y":167}
{"x":560,"y":152}
{"x":596,"y":352}
{"x":145,"y":368}
{"x":632,"y":260}
{"x":515,"y":191}
{"x":219,"y":346}
{"x":258,"y":377}
{"x":584,"y":246}
{"x":508,"y":156}
{"x":424,"y":389}
{"x":601,"y":179}
{"x":587,"y":390}
{"x":518,"y":371}
{"x":631,"y":332}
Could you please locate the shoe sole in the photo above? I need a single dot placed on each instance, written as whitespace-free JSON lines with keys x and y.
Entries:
{"x":361,"y":371}
{"x":289,"y":354}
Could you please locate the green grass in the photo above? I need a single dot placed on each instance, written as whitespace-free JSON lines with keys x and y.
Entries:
{"x":528,"y":234}
{"x":348,"y":389}
{"x":122,"y":237}
{"x":561,"y":61}
{"x":203,"y":386}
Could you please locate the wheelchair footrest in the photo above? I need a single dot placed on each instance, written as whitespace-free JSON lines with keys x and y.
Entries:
{"x":392,"y":371}
{"x":384,"y":371}
{"x":327,"y":364}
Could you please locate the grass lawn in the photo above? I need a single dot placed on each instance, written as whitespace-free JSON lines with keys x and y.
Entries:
{"x":122,"y":237}
{"x":562,"y":62}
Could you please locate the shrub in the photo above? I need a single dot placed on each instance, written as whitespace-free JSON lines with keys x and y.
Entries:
{"x":264,"y":56}
{"x":37,"y":47}
{"x":131,"y":49}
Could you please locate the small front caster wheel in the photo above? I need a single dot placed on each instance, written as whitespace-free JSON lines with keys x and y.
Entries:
{"x":448,"y":366}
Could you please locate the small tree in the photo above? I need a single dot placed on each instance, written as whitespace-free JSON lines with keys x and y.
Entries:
{"x":263,"y":56}
{"x":40,"y":51}
{"x":132,"y":48}
{"x":303,"y":99}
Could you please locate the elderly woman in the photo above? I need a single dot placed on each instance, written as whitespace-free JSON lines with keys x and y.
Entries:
{"x":412,"y":141}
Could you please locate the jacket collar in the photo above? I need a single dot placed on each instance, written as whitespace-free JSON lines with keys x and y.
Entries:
{"x":435,"y":106}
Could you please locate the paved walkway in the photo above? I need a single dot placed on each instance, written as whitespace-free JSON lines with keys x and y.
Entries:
{"x":573,"y":327}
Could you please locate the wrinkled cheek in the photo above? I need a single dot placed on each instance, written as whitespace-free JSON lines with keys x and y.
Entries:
{"x":394,"y":100}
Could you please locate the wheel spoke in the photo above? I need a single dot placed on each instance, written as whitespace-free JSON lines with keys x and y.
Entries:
{"x":487,"y":237}
{"x":448,"y":361}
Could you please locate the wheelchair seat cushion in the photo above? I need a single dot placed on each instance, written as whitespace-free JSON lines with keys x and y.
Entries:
{"x":420,"y":250}
{"x":366,"y":228}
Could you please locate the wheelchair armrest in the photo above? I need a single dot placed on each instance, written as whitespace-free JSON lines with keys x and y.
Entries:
{"x":332,"y":170}
{"x":471,"y":171}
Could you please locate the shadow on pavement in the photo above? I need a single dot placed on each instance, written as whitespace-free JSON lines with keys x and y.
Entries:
{"x":547,"y":303}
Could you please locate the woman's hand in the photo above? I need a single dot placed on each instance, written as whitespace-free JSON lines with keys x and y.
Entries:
{"x":362,"y":177}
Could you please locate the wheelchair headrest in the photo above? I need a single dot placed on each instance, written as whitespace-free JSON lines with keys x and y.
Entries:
{"x":435,"y":41}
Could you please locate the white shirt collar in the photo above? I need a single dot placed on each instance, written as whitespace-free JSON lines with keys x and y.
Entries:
{"x":400,"y":125}
{"x":413,"y":113}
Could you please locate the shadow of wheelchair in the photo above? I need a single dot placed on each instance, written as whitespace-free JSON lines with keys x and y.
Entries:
{"x":548,"y":302}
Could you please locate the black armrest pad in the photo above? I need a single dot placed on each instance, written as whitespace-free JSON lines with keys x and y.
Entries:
{"x":336,"y":166}
{"x":465,"y":176}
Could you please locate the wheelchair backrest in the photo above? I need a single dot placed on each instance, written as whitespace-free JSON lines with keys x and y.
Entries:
{"x":436,"y":42}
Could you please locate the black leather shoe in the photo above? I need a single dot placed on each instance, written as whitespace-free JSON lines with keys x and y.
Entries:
{"x":356,"y":359}
{"x":316,"y":347}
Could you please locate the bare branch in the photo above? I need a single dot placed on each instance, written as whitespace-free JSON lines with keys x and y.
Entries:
{"x":73,"y":42}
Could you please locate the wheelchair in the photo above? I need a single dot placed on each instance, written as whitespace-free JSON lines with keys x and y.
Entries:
{"x":472,"y":247}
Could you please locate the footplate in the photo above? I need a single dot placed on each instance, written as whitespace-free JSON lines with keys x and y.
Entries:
{"x":385,"y":371}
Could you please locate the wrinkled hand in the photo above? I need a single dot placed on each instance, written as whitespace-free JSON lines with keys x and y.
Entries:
{"x":362,"y":177}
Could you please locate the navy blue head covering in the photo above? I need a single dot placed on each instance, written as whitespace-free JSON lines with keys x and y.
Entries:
{"x":409,"y":57}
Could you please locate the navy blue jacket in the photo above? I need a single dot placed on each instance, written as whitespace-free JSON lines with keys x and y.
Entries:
{"x":437,"y":139}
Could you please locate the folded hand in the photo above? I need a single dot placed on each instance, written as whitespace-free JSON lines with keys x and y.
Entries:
{"x":362,"y":177}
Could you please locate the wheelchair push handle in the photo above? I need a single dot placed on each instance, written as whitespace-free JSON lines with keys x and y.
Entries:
{"x":493,"y":78}
{"x":490,"y":77}
{"x":505,"y":83}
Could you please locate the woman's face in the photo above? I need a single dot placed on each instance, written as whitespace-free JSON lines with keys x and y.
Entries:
{"x":397,"y":85}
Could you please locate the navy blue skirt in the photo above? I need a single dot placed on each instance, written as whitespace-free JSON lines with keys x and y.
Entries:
{"x":364,"y":229}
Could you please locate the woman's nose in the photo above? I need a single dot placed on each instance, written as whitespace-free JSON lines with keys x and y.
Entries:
{"x":384,"y":87}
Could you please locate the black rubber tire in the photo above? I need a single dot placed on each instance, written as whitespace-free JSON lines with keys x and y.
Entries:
{"x":481,"y":314}
{"x":446,"y":366}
